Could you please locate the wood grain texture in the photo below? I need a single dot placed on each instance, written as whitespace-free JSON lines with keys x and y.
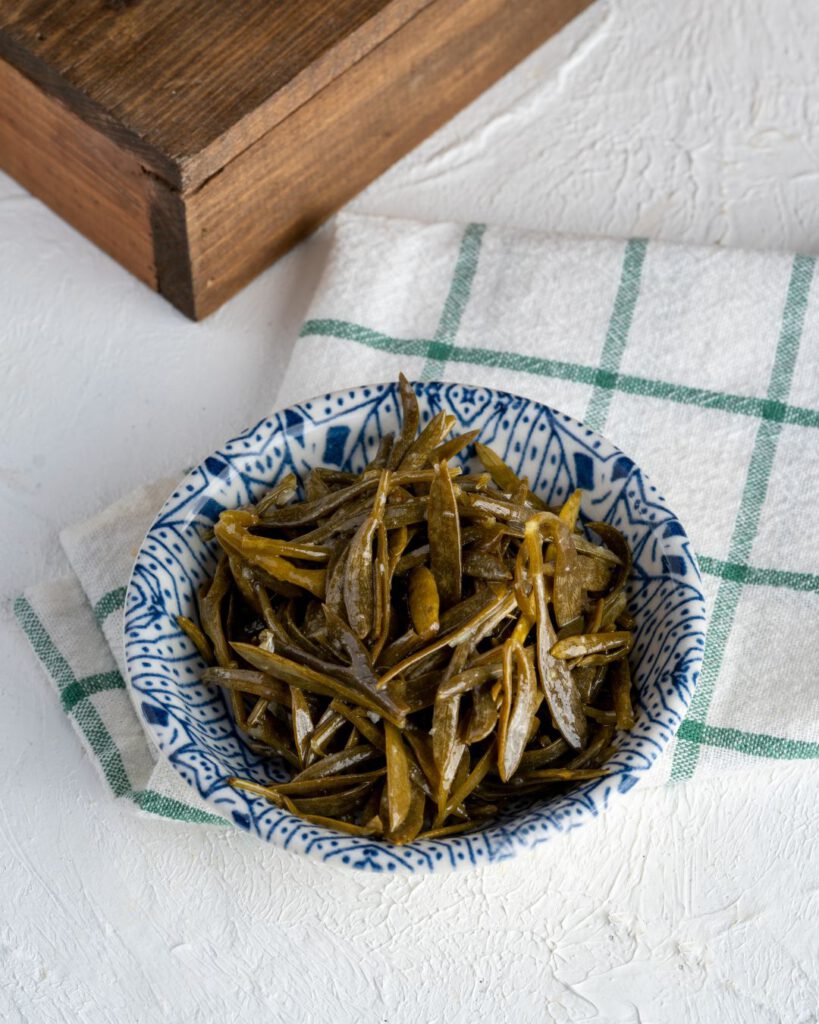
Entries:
{"x":189,"y":84}
{"x":284,"y":186}
{"x":197,"y":141}
{"x":81,"y":174}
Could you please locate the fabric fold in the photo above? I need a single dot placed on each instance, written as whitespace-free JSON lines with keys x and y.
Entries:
{"x":702,"y":364}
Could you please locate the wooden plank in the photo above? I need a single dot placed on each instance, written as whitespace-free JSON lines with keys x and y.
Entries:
{"x":82,"y":175}
{"x":197,"y":245}
{"x":189,"y":84}
{"x":291,"y":180}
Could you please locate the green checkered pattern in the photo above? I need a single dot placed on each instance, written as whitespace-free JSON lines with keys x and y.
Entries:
{"x":702,"y":364}
{"x":503,"y":324}
{"x":103,"y":742}
{"x":74,"y":626}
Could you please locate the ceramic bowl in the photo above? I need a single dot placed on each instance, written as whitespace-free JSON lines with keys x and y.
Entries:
{"x":191,"y":724}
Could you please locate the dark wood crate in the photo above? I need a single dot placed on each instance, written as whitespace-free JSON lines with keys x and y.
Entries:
{"x":197,"y":140}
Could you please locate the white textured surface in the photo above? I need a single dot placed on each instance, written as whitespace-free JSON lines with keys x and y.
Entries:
{"x":690,"y":121}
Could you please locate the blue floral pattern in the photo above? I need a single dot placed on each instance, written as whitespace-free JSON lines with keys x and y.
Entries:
{"x":191,"y":724}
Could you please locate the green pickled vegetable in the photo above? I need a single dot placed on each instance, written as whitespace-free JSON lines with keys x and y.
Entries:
{"x":424,"y":604}
{"x":195,"y":634}
{"x":559,"y":688}
{"x":416,"y":643}
{"x":483,"y":717}
{"x":302,"y":723}
{"x":333,"y":804}
{"x":210,"y":612}
{"x":621,"y":694}
{"x":399,"y":787}
{"x":283,"y":492}
{"x":414,"y":819}
{"x":447,"y":746}
{"x":409,"y":424}
{"x":449,"y":449}
{"x":585,"y":644}
{"x":327,"y":729}
{"x":444,"y":530}
{"x":359,"y":578}
{"x":522,"y":712}
{"x":427,"y":441}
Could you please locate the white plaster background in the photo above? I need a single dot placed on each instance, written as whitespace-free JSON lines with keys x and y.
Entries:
{"x":696,"y":121}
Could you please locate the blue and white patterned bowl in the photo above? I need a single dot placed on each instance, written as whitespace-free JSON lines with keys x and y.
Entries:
{"x":190,"y":723}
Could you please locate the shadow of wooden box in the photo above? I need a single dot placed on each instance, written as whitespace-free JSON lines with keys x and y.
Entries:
{"x":197,"y":140}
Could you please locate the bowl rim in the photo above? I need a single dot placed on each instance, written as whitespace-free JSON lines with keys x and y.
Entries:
{"x":632,"y":779}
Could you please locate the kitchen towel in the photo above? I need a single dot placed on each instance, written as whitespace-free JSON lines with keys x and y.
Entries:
{"x":701,"y":363}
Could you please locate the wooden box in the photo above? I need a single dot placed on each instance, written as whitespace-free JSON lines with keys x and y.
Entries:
{"x":197,"y":140}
